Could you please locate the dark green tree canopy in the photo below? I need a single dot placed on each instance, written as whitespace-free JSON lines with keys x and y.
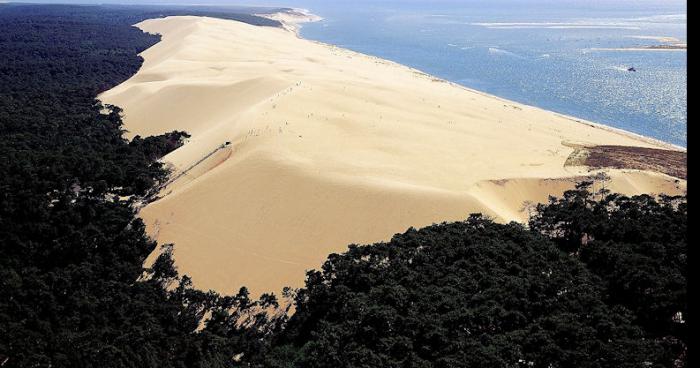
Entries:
{"x":71,"y":247}
{"x":466,"y":294}
{"x":593,"y":281}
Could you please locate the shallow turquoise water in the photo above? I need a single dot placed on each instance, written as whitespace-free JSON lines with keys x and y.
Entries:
{"x":543,"y":54}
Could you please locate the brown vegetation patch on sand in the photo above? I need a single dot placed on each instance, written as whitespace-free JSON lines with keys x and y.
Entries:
{"x":669,"y":162}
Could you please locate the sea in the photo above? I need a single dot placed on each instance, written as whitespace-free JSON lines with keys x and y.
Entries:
{"x":575,"y":57}
{"x":565,"y":56}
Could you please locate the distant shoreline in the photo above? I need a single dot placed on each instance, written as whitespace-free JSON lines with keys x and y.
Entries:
{"x":667,"y":43}
{"x":292,"y":19}
{"x":643,"y":48}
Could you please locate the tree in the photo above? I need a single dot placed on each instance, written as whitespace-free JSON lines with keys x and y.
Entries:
{"x":472,"y":293}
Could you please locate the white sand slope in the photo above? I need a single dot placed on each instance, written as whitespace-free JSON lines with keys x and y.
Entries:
{"x":329,"y":147}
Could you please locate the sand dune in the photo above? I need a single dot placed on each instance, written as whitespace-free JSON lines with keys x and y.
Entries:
{"x":329,"y":147}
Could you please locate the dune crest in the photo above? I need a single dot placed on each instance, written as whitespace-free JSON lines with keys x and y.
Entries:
{"x":300,"y":148}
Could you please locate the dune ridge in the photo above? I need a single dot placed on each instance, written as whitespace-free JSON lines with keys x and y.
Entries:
{"x":313,"y":147}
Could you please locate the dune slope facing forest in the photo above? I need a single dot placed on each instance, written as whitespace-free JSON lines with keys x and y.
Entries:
{"x":299,"y":148}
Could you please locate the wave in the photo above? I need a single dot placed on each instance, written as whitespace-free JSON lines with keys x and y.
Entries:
{"x":497,"y":51}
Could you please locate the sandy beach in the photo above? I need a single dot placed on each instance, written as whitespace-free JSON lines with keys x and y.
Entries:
{"x":300,"y":148}
{"x":680,"y":47}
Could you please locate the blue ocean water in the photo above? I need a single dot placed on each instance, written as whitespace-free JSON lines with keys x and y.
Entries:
{"x":542,"y":53}
{"x":545,"y":53}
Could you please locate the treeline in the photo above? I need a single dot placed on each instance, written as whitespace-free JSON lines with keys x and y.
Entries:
{"x":594,"y":280}
{"x":71,"y":248}
{"x":120,"y":15}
